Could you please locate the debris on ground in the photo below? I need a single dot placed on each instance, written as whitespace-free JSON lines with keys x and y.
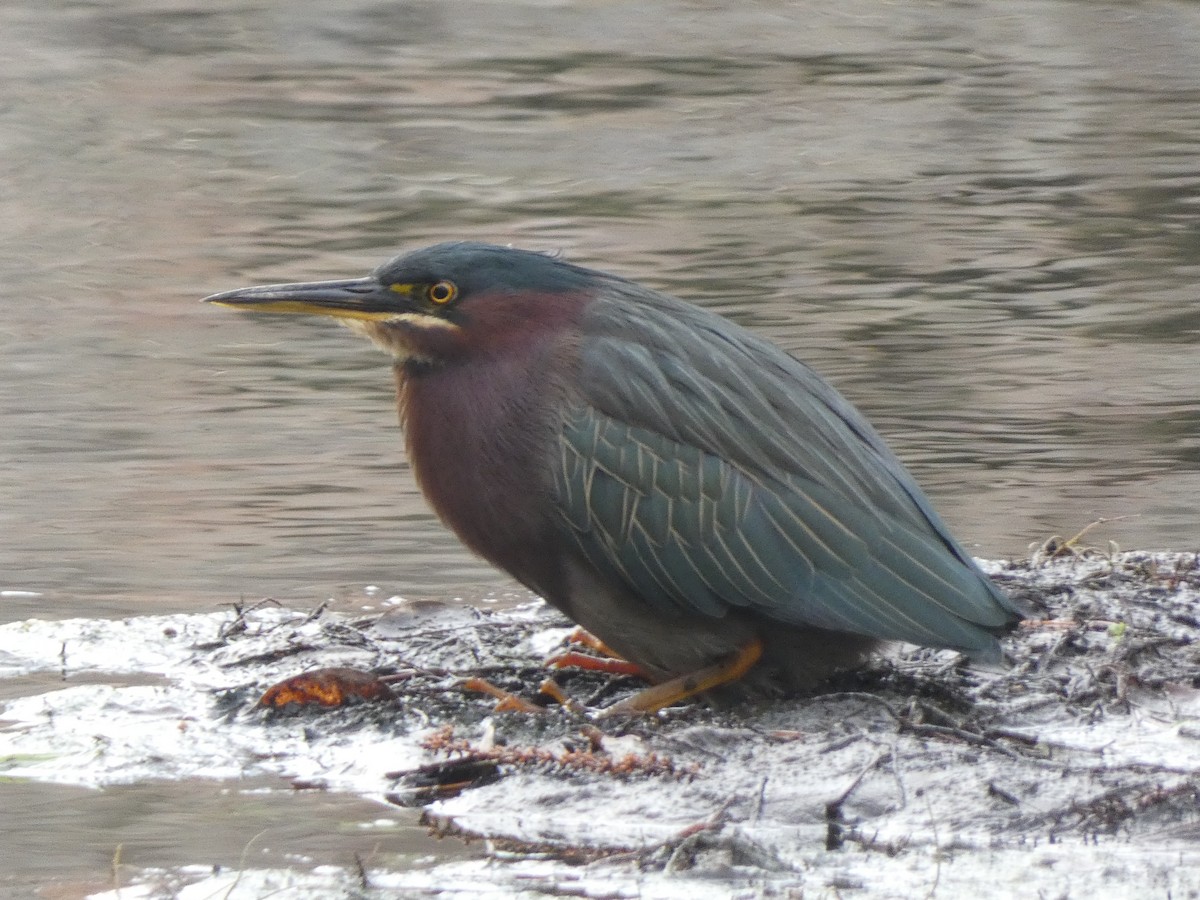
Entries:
{"x":1072,"y":770}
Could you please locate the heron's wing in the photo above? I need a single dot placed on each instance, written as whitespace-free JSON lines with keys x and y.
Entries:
{"x":718,"y":472}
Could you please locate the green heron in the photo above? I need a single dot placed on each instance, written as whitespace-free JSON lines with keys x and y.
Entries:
{"x":700,"y":501}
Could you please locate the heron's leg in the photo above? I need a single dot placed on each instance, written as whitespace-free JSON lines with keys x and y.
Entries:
{"x":609,"y":661}
{"x":670,"y":692}
{"x":507,"y":702}
{"x":584,"y":638}
{"x":611,"y":665}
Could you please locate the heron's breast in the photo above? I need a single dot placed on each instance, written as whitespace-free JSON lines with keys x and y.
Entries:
{"x":479,"y":438}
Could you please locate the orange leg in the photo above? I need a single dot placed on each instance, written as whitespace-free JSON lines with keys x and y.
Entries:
{"x":595,"y":664}
{"x":512,"y":703}
{"x":507,"y":702}
{"x":670,"y":692}
{"x":551,"y":689}
{"x":610,"y":663}
{"x":584,"y":638}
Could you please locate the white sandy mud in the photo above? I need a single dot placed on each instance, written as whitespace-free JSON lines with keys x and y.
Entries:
{"x":1073,"y":772}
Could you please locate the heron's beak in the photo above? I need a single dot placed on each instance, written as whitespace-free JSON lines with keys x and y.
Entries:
{"x":357,"y":298}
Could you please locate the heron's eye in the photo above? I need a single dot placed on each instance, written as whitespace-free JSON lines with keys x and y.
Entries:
{"x":442,"y":292}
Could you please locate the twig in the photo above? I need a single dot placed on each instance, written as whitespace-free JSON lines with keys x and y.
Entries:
{"x":242,"y":862}
{"x":116,"y":870}
{"x":762,"y":799}
{"x":937,"y":851}
{"x":834,"y":837}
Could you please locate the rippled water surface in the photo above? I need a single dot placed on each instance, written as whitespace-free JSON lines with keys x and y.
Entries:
{"x":980,"y":221}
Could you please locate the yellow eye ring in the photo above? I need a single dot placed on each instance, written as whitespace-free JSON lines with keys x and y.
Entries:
{"x":442,"y":292}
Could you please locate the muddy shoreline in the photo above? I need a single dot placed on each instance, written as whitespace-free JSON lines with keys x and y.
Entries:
{"x":1074,"y":768}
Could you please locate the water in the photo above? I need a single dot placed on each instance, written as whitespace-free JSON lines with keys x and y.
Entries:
{"x":107,"y":836}
{"x":980,"y":222}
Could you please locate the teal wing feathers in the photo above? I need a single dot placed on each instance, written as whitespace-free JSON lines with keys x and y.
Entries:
{"x":720,"y":473}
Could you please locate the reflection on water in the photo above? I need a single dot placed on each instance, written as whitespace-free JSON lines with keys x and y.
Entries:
{"x":982,"y":227}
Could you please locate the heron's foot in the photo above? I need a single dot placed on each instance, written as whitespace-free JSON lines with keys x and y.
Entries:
{"x":608,"y":664}
{"x":506,"y":701}
{"x":668,"y":693}
{"x":581,"y":637}
{"x":552,"y":689}
{"x":609,"y":661}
